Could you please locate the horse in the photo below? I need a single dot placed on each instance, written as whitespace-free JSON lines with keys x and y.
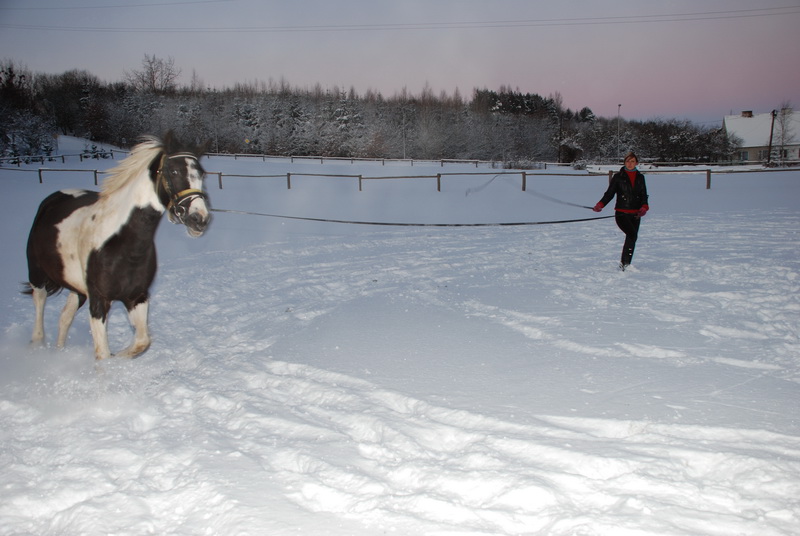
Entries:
{"x":101,"y":245}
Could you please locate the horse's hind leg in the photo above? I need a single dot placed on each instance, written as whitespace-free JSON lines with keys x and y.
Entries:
{"x":39,"y":297}
{"x":137,"y":314}
{"x":74,"y":301}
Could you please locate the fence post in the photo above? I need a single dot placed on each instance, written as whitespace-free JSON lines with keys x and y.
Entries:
{"x":708,"y":179}
{"x":610,"y":175}
{"x":359,"y":183}
{"x":40,"y":176}
{"x":95,"y":177}
{"x":288,"y":181}
{"x":438,"y":182}
{"x":524,"y":181}
{"x":219,"y":176}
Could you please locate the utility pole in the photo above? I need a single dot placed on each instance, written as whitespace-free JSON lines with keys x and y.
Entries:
{"x":771,"y":130}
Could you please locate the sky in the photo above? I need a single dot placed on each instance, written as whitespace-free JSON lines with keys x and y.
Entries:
{"x":684,"y":59}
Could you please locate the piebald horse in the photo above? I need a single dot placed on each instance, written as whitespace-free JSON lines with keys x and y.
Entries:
{"x":100,"y":245}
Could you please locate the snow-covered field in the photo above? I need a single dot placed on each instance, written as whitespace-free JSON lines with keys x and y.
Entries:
{"x":320,"y":378}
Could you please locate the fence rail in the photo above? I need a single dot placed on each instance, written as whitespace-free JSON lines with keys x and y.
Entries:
{"x":103,"y":153}
{"x":25,"y":159}
{"x":110,"y":153}
{"x":438,"y":176}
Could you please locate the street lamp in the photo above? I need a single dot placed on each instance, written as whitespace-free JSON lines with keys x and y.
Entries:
{"x":619,"y":107}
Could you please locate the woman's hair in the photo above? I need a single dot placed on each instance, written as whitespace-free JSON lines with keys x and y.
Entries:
{"x":630,"y":155}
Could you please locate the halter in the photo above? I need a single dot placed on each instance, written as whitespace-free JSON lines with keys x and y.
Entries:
{"x":178,"y":199}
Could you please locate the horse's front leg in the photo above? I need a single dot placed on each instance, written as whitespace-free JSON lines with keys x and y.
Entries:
{"x":98,"y":322}
{"x":39,"y":298}
{"x":74,"y":301}
{"x":137,"y":314}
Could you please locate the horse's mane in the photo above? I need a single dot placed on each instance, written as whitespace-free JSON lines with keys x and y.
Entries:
{"x":134,"y":165}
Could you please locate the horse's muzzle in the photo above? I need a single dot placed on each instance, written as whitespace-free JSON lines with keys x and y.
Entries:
{"x":192,"y":211}
{"x":196,"y":223}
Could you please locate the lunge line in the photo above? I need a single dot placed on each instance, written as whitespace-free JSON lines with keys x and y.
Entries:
{"x":404,"y":224}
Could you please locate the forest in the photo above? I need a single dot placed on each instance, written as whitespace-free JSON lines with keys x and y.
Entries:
{"x":505,"y":125}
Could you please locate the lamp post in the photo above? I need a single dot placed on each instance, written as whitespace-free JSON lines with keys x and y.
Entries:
{"x":619,"y":107}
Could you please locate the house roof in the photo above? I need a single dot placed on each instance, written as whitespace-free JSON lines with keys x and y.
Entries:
{"x":754,"y":129}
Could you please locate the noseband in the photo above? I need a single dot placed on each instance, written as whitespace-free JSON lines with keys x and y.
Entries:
{"x":180,"y":200}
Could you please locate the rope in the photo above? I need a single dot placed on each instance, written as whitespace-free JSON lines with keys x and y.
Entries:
{"x":398,"y":224}
{"x":554,"y":200}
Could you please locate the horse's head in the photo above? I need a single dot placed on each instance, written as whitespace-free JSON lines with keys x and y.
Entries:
{"x":180,"y":186}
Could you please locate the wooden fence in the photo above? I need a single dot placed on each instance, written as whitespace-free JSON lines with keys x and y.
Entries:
{"x":438,"y":176}
{"x":361,"y":178}
{"x":651,"y":171}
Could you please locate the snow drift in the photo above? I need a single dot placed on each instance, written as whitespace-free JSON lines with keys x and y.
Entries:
{"x":317,"y":378}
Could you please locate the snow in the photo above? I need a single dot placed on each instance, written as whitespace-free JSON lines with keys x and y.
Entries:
{"x":321,"y":378}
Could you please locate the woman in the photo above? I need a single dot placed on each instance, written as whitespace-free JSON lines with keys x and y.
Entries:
{"x":631,"y":191}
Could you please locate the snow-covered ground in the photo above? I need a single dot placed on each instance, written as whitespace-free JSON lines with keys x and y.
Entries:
{"x":321,"y":378}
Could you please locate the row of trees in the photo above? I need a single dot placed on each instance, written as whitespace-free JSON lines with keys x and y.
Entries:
{"x":275,"y":118}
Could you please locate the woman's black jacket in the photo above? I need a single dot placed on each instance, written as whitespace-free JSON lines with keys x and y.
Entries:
{"x":629,"y":198}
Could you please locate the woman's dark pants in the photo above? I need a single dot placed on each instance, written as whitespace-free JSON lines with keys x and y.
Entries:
{"x":628,"y":224}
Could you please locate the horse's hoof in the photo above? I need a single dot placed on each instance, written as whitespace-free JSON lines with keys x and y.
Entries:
{"x":132,"y":353}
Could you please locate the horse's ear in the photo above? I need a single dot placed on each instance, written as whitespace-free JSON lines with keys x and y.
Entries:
{"x":203,"y":148}
{"x":170,"y":142}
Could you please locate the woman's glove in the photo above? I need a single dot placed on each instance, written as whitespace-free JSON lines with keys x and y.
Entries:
{"x":598,"y":207}
{"x":643,"y":211}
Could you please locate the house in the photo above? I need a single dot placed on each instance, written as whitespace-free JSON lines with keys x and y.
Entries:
{"x":755,"y":130}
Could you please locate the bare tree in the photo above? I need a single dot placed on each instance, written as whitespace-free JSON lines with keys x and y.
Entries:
{"x":15,"y":86}
{"x":196,"y":85}
{"x":157,"y":75}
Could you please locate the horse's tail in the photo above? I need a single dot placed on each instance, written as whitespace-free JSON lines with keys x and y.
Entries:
{"x":49,"y":286}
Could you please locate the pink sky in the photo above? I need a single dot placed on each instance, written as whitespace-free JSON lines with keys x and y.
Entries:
{"x":698,"y":59}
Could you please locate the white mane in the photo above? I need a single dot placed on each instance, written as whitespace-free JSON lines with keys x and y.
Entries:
{"x":133,"y":166}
